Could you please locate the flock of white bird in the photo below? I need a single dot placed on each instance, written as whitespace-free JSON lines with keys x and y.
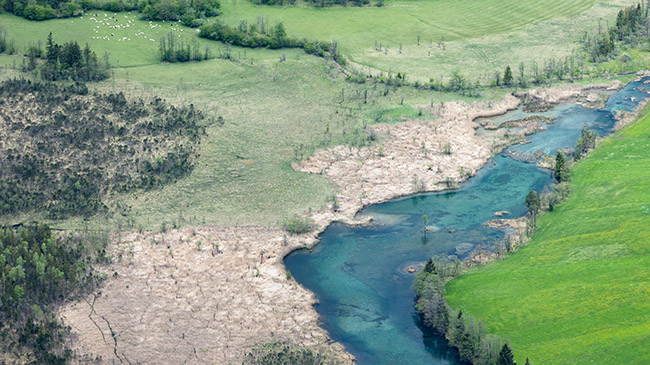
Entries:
{"x":121,"y":31}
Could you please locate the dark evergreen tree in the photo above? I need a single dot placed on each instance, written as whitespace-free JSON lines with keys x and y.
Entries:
{"x":430,"y":267}
{"x":69,"y":62}
{"x":586,"y":142}
{"x":505,"y":356}
{"x":561,"y":171}
{"x":507,"y":76}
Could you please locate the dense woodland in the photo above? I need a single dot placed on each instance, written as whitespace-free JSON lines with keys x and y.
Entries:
{"x":38,"y":272}
{"x":64,"y":148}
{"x":190,"y":12}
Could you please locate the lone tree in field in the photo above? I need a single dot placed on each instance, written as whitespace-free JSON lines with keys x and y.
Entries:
{"x":507,"y":76}
{"x":561,"y":171}
{"x":505,"y":356}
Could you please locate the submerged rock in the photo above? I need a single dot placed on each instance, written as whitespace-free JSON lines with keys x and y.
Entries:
{"x":464,"y":248}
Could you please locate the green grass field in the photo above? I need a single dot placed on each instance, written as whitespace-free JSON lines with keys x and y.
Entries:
{"x":480,"y":36}
{"x":579,"y":292}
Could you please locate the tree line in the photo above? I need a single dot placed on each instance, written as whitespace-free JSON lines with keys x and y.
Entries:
{"x":70,"y":147}
{"x":190,"y":12}
{"x":464,"y":332}
{"x":263,"y":35}
{"x":66,"y":62}
{"x":38,"y":272}
{"x":632,"y":27}
{"x":175,"y":49}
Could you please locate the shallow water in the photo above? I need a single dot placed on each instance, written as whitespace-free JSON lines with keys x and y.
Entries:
{"x":358,"y":274}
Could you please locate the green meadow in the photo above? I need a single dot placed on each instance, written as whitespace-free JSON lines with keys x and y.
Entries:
{"x":276,"y":111}
{"x":273,"y":112}
{"x":579,"y":292}
{"x":480,"y":37}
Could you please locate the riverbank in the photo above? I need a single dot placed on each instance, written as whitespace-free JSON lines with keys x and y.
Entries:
{"x":158,"y":307}
{"x":579,"y":285}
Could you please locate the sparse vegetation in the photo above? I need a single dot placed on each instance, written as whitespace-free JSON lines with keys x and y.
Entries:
{"x":70,"y":148}
{"x":284,"y":353}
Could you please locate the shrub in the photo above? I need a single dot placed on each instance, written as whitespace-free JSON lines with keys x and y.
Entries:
{"x":299,"y":225}
{"x":38,"y":12}
{"x":283,"y":353}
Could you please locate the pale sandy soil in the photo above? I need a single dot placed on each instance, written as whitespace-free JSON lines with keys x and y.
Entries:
{"x":171,"y":302}
{"x":411,"y":157}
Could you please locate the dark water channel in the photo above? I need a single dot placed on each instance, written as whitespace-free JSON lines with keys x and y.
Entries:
{"x":358,"y":274}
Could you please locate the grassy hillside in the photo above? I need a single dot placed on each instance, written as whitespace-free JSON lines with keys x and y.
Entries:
{"x":139,"y":48}
{"x":579,"y":292}
{"x":272,"y":109}
{"x":480,"y":36}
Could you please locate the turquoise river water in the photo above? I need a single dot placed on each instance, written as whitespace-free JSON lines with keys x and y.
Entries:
{"x":366,"y":299}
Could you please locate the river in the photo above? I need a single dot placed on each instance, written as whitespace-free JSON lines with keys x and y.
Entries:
{"x":366,"y":299}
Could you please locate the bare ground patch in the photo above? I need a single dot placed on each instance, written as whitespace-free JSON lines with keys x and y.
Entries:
{"x":196,"y":295}
{"x":414,"y":156}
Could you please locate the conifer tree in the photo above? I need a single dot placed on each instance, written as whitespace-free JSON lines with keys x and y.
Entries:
{"x":505,"y":356}
{"x":507,"y":76}
{"x":561,"y":172}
